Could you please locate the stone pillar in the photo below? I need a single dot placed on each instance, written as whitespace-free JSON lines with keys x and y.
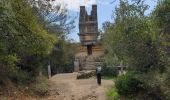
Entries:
{"x":49,"y":71}
{"x":76,"y":66}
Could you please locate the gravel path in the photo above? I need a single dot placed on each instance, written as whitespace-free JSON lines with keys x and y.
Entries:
{"x":67,"y":87}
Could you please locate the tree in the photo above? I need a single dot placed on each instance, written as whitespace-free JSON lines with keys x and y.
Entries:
{"x":134,"y":40}
{"x":21,"y":37}
{"x":130,"y":40}
{"x":162,"y":23}
{"x":161,"y":17}
{"x":56,"y":20}
{"x":62,"y":58}
{"x":54,"y":17}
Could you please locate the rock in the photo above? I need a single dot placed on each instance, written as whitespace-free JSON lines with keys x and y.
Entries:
{"x":86,"y":74}
{"x":26,"y":88}
{"x":57,"y":93}
{"x":94,"y":96}
{"x":72,"y":95}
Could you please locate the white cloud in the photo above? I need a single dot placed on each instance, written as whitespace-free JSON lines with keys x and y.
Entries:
{"x":74,"y":5}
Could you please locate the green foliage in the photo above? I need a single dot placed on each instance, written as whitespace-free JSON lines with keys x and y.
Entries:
{"x":165,"y":84}
{"x":161,"y":22}
{"x":9,"y":61}
{"x":110,"y":71}
{"x":131,"y":39}
{"x":127,"y":84}
{"x":56,"y":21}
{"x":59,"y":23}
{"x":161,"y":19}
{"x":141,"y":43}
{"x":112,"y":94}
{"x":24,"y":44}
{"x":62,"y":57}
{"x":21,"y":77}
{"x":41,"y":86}
{"x":162,"y":16}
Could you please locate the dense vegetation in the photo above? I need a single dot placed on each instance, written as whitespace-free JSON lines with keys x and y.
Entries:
{"x":56,"y":20}
{"x":24,"y":43}
{"x":30,"y":40}
{"x":141,"y":43}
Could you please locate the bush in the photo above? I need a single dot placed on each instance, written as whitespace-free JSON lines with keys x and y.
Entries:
{"x":22,"y":77}
{"x":127,"y":84}
{"x":112,"y":94}
{"x":110,"y":71}
{"x":40,"y":87}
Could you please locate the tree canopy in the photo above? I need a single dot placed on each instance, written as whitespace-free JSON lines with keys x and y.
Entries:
{"x":21,"y":36}
{"x":141,"y":43}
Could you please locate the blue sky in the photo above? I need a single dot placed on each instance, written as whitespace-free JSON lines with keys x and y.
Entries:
{"x":105,"y":11}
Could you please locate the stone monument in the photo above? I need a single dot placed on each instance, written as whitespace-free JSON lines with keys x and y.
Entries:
{"x":90,"y":52}
{"x":88,"y":28}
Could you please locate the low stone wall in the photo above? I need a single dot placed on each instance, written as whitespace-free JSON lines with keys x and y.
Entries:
{"x":86,"y":74}
{"x":85,"y":62}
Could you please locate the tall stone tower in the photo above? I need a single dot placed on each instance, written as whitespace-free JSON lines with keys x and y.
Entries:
{"x":88,"y":28}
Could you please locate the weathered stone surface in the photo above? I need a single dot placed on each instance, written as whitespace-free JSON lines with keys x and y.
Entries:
{"x":88,"y":26}
{"x":76,"y":65}
{"x":89,"y":62}
{"x":90,"y":52}
{"x":86,"y":74}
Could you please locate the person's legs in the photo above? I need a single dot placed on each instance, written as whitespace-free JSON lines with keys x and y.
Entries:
{"x":99,"y":79}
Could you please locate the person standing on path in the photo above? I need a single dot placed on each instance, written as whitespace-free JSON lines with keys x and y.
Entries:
{"x":98,"y":72}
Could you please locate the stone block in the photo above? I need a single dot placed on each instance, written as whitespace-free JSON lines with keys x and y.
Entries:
{"x":86,"y":74}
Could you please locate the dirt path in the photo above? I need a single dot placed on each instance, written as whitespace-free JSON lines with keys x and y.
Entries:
{"x":66,"y":87}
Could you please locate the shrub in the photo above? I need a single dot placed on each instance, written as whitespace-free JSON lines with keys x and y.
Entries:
{"x":110,"y":71}
{"x":40,"y":87}
{"x":127,"y":84}
{"x":112,"y":94}
{"x":22,"y":77}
